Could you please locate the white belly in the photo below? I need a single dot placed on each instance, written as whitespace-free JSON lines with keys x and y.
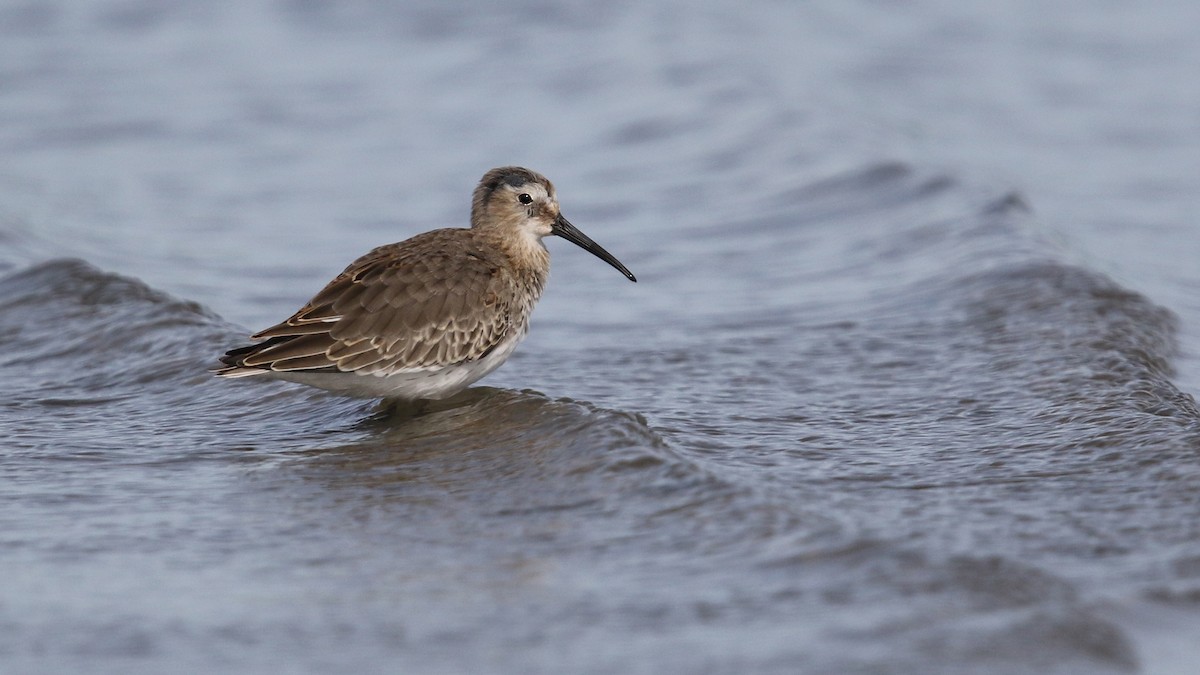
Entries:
{"x":432,"y":383}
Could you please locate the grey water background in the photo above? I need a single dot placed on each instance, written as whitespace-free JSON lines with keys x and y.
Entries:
{"x":906,"y":386}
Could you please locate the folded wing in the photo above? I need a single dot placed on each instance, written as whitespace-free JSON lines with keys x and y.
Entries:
{"x":418,"y":305}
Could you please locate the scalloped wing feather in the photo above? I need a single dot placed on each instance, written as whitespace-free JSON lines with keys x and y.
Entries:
{"x":429,"y":302}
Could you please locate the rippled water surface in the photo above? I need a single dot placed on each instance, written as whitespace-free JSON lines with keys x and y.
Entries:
{"x":906,"y":384}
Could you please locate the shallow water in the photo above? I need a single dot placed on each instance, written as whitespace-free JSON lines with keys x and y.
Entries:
{"x":906,"y":384}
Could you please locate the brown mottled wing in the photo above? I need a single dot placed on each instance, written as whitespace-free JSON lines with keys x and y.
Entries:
{"x":434,"y":300}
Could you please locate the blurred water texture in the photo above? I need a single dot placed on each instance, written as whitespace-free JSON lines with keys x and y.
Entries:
{"x":907,"y":384}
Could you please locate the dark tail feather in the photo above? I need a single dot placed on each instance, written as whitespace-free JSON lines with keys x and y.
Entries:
{"x":236,"y":357}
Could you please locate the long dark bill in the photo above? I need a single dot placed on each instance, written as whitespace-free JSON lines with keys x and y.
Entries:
{"x":567,"y":231}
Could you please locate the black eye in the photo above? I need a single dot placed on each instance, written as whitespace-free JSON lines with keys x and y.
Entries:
{"x":524,"y":198}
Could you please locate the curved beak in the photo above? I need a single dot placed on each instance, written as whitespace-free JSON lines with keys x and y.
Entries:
{"x":566,"y":230}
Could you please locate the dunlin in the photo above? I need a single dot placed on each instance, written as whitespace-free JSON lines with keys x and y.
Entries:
{"x":425,"y":318}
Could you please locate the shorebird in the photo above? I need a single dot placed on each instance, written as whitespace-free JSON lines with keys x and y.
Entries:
{"x":426,"y":317}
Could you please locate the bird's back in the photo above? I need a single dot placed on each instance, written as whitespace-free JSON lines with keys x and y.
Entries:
{"x":441,"y":298}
